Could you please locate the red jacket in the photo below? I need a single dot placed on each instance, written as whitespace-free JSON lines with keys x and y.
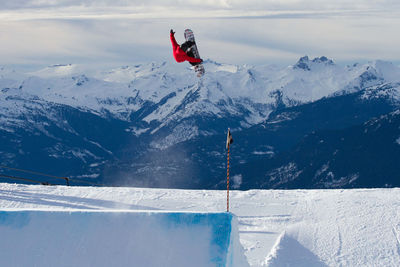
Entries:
{"x":179,"y":54}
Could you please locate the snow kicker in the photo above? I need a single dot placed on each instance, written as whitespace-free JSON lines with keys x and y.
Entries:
{"x":119,"y":238}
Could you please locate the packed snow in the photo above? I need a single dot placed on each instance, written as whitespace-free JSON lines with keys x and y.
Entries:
{"x":359,"y":227}
{"x":127,"y":238}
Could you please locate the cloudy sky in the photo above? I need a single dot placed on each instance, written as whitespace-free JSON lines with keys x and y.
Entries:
{"x":124,"y":32}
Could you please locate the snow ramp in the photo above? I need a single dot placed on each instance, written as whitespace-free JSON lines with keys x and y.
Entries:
{"x":287,"y":251}
{"x":123,"y":238}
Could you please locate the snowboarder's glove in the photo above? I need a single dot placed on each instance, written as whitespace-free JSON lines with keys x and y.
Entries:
{"x":172,"y":31}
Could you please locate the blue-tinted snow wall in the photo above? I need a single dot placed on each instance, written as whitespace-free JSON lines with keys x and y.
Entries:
{"x":92,"y":238}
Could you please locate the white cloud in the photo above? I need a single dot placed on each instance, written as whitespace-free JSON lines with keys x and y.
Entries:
{"x":26,"y":43}
{"x":87,"y":41}
{"x":232,"y":31}
{"x":231,"y":4}
{"x":41,"y":9}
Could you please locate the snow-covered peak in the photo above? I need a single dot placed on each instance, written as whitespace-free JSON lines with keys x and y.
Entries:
{"x":323,"y":60}
{"x":306,"y":64}
{"x":213,"y":66}
{"x":59,"y":70}
{"x":127,"y":74}
{"x":303,"y":63}
{"x":123,"y":74}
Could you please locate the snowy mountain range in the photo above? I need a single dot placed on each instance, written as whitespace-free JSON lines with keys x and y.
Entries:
{"x":158,"y":125}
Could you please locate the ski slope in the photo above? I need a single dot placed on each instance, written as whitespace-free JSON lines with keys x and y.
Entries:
{"x":359,"y":227}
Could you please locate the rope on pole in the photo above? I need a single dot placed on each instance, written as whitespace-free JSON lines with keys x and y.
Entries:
{"x":227,"y":183}
{"x":229,"y":141}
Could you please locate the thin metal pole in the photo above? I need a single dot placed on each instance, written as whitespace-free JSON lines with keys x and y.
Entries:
{"x":227,"y":183}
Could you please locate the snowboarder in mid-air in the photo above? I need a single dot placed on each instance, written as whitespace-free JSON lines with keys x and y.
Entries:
{"x":187,"y":51}
{"x":183,"y":52}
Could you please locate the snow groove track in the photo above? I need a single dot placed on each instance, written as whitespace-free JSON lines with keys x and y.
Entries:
{"x":397,"y":235}
{"x":118,"y":238}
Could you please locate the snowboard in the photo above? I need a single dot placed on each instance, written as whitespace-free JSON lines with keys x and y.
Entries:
{"x":198,"y":68}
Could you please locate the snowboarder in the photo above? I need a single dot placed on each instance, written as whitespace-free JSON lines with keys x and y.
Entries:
{"x":183,"y":52}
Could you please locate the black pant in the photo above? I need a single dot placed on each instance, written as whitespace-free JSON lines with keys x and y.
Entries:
{"x":186,"y":45}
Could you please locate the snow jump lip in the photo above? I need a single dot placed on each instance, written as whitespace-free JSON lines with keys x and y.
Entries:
{"x":118,"y":238}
